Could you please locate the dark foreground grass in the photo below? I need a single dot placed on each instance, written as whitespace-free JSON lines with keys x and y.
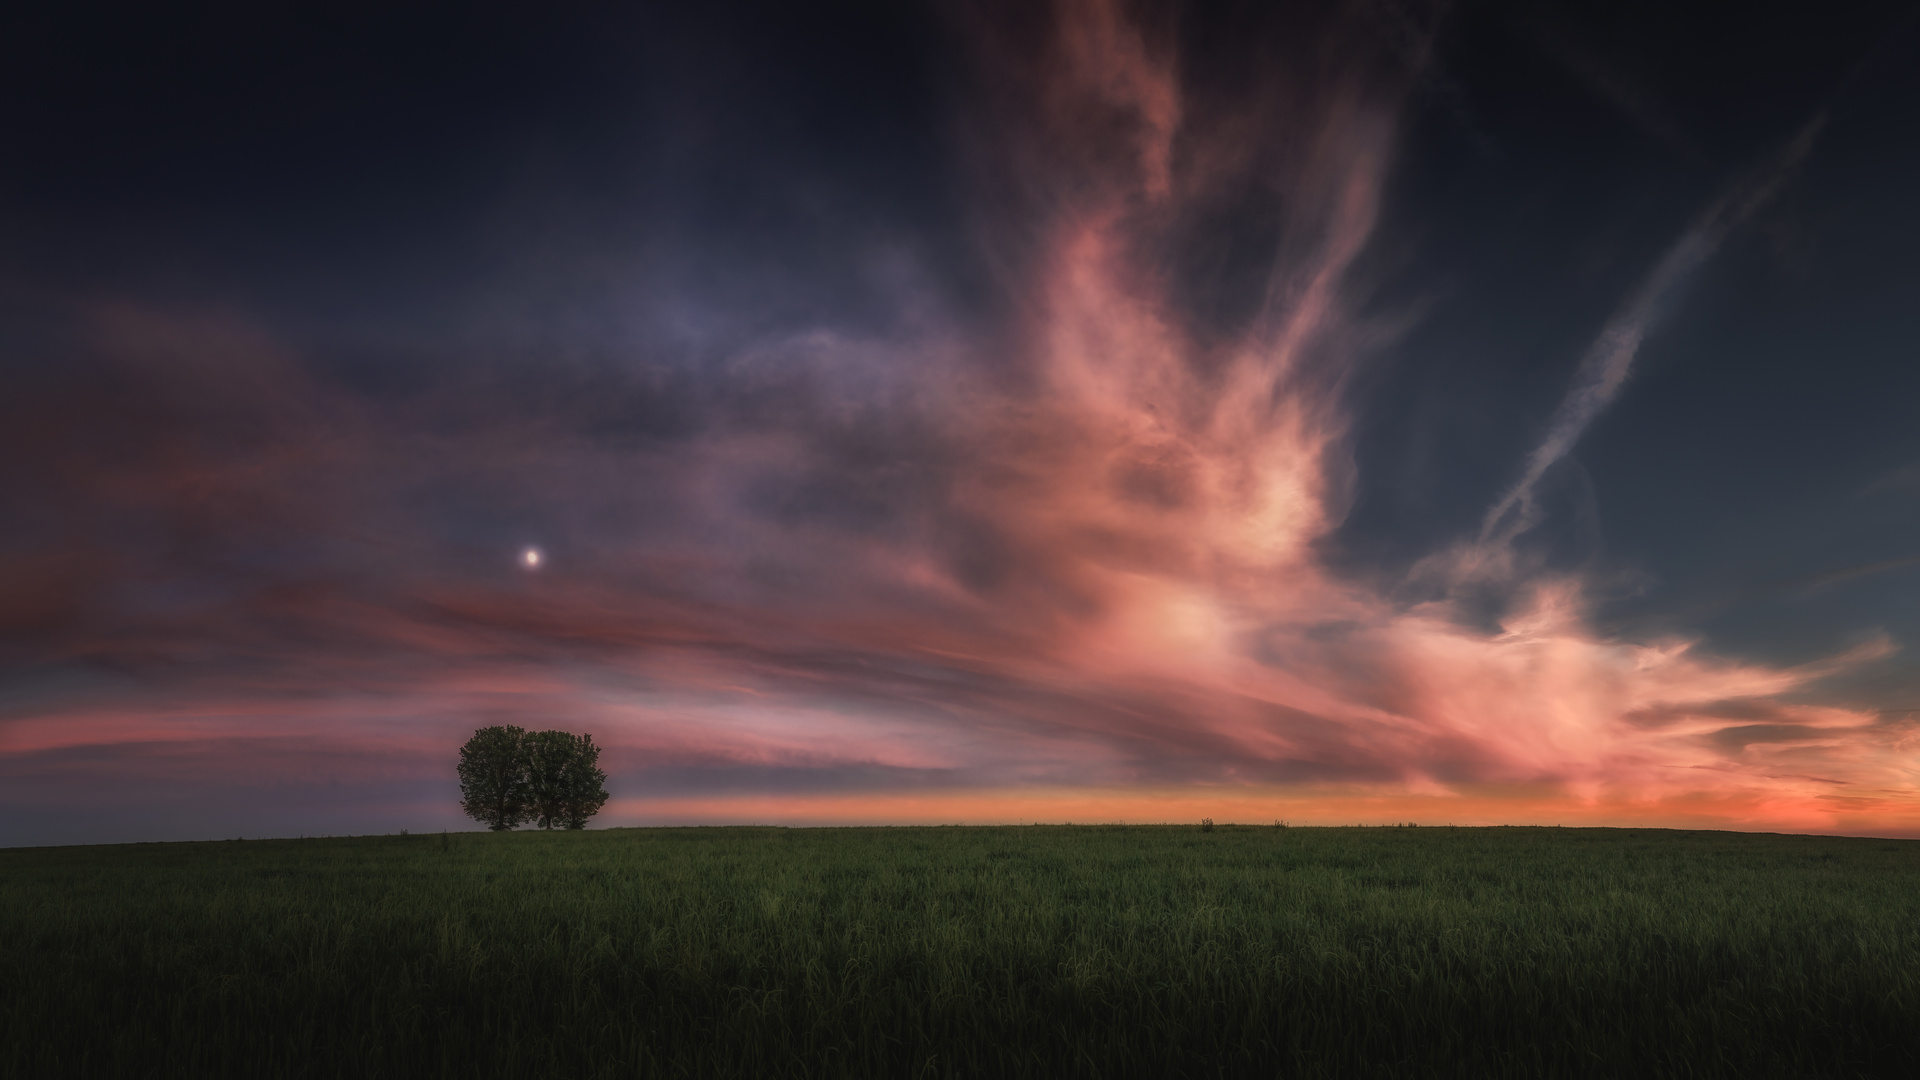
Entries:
{"x":989,"y":952}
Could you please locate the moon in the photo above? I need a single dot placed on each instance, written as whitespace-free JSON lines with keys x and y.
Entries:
{"x":531,"y":558}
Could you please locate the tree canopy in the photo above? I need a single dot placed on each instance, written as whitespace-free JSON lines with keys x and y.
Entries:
{"x":494,"y":786}
{"x":510,"y":776}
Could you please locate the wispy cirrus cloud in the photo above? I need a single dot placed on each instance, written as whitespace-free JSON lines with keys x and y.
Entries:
{"x":1608,"y":361}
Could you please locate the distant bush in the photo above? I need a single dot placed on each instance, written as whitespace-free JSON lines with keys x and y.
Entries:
{"x":1206,"y":824}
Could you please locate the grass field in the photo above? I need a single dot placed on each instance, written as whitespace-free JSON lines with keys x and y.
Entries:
{"x":1021,"y":951}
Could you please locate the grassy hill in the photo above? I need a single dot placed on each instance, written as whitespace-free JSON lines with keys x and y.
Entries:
{"x":1022,"y":951}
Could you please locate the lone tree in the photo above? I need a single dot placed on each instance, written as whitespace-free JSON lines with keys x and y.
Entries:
{"x":510,"y":776}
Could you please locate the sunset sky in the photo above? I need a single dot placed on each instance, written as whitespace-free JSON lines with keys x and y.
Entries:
{"x":1378,"y":411}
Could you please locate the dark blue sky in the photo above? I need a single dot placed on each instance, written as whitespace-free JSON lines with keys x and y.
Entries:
{"x":936,"y":404}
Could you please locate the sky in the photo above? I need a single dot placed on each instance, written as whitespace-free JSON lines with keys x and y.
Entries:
{"x":928,"y":412}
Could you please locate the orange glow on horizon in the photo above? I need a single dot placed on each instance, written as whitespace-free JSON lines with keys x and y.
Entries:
{"x":1886,"y":814}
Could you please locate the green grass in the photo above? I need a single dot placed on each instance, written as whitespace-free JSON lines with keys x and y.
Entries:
{"x":907,"y":952}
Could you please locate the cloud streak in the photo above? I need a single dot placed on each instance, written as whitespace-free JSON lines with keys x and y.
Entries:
{"x":1604,"y":368}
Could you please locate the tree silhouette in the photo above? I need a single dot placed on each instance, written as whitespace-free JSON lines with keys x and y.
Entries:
{"x":567,"y":780}
{"x":494,"y":786}
{"x":509,"y":776}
